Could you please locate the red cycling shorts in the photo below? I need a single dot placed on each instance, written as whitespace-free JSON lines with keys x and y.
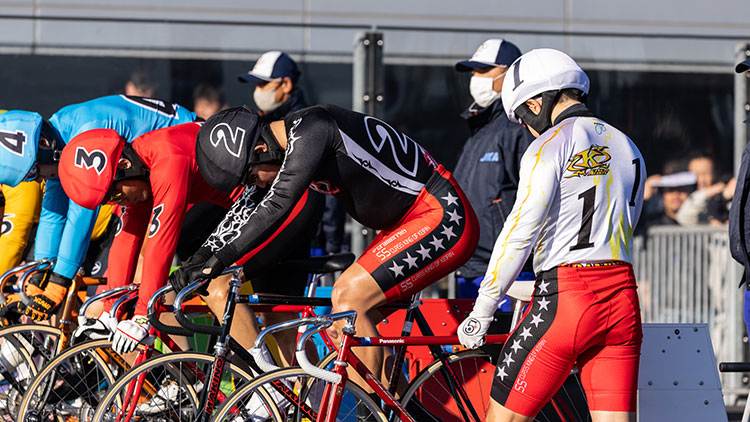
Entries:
{"x":589,"y":317}
{"x":437,"y":235}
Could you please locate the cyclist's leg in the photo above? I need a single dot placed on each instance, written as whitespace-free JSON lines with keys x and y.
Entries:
{"x":244,"y":326}
{"x":357,"y":290}
{"x":436,"y":236}
{"x":262,"y":262}
{"x":609,"y":373}
{"x":498,"y":413}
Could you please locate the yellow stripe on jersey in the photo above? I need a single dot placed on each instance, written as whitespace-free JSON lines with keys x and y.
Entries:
{"x":500,"y":261}
{"x":102,"y":221}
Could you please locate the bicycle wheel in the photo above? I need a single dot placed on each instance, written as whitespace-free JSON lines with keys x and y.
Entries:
{"x":428,"y":396}
{"x":72,"y":384}
{"x":24,"y":350}
{"x":171,"y":389}
{"x":253,"y":401}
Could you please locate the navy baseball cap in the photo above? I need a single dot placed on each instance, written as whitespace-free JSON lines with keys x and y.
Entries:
{"x":742,"y":66}
{"x":493,"y":52}
{"x":271,"y":65}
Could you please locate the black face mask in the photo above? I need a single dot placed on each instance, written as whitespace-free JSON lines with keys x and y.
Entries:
{"x":274,"y":154}
{"x":542,"y":121}
{"x":137,"y":169}
{"x":49,"y":153}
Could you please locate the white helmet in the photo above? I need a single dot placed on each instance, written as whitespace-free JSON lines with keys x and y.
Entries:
{"x":538,"y":71}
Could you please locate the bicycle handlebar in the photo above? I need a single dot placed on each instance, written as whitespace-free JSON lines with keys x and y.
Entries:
{"x":27,"y":269}
{"x":180,"y":314}
{"x":153,"y":317}
{"x":322,"y":323}
{"x":104,"y":295}
{"x":257,"y":350}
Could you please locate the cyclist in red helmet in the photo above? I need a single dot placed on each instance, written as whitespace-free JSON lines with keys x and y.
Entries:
{"x":156,"y":179}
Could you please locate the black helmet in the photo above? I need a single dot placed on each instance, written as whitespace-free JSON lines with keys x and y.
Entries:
{"x":225,"y":145}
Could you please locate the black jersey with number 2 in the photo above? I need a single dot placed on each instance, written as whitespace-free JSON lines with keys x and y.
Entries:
{"x":373,"y":169}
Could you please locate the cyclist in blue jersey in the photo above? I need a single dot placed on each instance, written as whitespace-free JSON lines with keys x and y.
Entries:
{"x":30,"y":148}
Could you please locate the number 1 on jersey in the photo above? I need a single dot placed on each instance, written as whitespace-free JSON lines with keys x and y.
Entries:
{"x":587,"y":219}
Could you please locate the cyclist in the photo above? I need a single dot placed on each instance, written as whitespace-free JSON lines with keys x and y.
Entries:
{"x":578,"y":219}
{"x":30,"y":148}
{"x":382,"y":177}
{"x":156,"y":179}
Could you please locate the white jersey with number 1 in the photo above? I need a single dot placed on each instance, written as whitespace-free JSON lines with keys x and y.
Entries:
{"x":579,"y":199}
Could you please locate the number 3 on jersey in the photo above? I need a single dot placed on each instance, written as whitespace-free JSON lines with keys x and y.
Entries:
{"x":589,"y":199}
{"x":155,"y":223}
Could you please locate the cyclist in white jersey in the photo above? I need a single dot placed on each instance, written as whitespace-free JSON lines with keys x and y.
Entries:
{"x":579,"y":200}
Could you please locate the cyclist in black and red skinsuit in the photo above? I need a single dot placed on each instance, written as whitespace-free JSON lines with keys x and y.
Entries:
{"x":384,"y":179}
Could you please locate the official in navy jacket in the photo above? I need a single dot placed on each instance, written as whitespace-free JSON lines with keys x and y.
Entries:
{"x":488,"y":168}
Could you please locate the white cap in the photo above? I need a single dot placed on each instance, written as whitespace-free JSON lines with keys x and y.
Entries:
{"x":538,"y":71}
{"x":271,"y":65}
{"x":676,"y":180}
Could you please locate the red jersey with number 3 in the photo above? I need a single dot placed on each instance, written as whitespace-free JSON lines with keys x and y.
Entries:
{"x":579,"y":199}
{"x":176,"y":184}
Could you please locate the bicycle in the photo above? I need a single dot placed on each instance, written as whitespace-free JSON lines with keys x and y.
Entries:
{"x":185,"y":400}
{"x":437,"y":393}
{"x":26,"y":348}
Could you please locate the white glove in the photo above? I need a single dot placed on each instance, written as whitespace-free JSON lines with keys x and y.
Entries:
{"x":95,"y":328}
{"x":471,"y":332}
{"x":129,"y":334}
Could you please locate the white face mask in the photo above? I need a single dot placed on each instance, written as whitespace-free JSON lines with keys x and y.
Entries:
{"x":481,"y":90}
{"x":266,"y":99}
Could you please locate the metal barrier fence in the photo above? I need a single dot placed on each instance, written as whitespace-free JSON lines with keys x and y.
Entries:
{"x":685,"y":275}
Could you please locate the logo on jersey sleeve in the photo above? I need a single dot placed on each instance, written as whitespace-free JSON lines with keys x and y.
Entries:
{"x":7,"y":225}
{"x":153,"y":104}
{"x":591,"y":162}
{"x":155,"y":223}
{"x":232,"y":139}
{"x":13,"y":141}
{"x":325,"y":187}
{"x":95,"y":159}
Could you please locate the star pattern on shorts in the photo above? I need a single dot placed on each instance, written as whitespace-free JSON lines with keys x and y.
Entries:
{"x":437,"y":243}
{"x":424,"y":252}
{"x":450,"y":199}
{"x":455,"y":217}
{"x":526,"y":332}
{"x":516,"y":345}
{"x":397,"y":269}
{"x":543,"y":287}
{"x":536,"y":320}
{"x":508,"y":360}
{"x":501,"y":373}
{"x":410,"y":260}
{"x":448,"y":232}
{"x":543,"y":304}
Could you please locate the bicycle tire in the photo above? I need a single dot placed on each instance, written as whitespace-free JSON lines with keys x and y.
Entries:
{"x":24,"y":350}
{"x":429,"y":389}
{"x":70,"y":384}
{"x":442,"y":407}
{"x":293,"y":375}
{"x":165,"y":368}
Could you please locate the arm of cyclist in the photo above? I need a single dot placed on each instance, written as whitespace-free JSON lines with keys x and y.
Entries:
{"x":517,"y":238}
{"x":73,"y":245}
{"x":303,"y":154}
{"x":22,"y":207}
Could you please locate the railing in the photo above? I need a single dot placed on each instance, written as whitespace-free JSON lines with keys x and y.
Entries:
{"x":685,"y":275}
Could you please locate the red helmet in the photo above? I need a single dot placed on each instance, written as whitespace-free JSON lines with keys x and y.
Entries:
{"x":88,"y":164}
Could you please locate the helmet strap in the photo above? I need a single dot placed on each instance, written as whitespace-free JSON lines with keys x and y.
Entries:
{"x":137,"y":169}
{"x":542,"y":121}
